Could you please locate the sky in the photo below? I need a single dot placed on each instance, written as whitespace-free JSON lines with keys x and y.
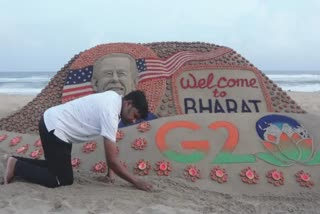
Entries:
{"x":274,"y":35}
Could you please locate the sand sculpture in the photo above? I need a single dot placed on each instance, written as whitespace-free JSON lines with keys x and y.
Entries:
{"x":221,"y":121}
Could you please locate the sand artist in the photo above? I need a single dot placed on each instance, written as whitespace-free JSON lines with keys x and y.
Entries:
{"x":217,"y":118}
{"x":79,"y":121}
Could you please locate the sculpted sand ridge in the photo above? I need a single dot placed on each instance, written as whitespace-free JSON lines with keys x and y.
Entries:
{"x":221,"y":122}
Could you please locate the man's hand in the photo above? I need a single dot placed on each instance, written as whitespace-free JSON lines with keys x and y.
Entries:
{"x":142,"y":185}
{"x":115,"y":166}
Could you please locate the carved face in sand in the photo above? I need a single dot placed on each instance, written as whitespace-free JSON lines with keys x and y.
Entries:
{"x":116,"y":72}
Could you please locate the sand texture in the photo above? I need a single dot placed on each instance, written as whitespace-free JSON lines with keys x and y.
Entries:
{"x":171,"y":194}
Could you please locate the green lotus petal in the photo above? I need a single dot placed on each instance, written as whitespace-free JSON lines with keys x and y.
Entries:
{"x":288,"y":148}
{"x":271,"y":159}
{"x":275,"y":151}
{"x":315,"y":160}
{"x":305,"y":146}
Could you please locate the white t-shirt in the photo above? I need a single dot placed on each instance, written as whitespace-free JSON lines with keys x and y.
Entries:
{"x":86,"y":118}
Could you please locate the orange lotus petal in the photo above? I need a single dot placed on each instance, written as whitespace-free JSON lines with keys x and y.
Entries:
{"x":271,"y":146}
{"x":271,"y":138}
{"x":296,"y":137}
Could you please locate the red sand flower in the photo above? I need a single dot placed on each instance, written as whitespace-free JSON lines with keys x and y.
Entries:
{"x":38,"y":143}
{"x":15,"y":141}
{"x":139,"y":144}
{"x":144,"y":127}
{"x":275,"y":177}
{"x":23,"y":149}
{"x":192,"y":173}
{"x":100,"y":167}
{"x":142,"y":167}
{"x":75,"y":162}
{"x":3,"y":137}
{"x":119,"y":136}
{"x":219,"y":174}
{"x":249,"y":176}
{"x":89,"y":147}
{"x":163,"y":168}
{"x":36,"y":154}
{"x":304,"y":179}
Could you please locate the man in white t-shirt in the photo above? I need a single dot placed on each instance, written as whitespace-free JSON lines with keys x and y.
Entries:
{"x":79,"y":121}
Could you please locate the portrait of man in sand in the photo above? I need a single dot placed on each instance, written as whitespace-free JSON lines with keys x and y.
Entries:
{"x":116,"y":72}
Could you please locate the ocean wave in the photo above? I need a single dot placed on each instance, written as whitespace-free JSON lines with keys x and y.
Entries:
{"x":301,"y":88}
{"x":23,"y":84}
{"x":24,"y":79}
{"x":26,"y":83}
{"x":297,"y":82}
{"x":22,"y":91}
{"x":294,"y":77}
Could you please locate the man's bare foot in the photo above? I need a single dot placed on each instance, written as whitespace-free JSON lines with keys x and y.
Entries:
{"x":4,"y":159}
{"x":9,"y":173}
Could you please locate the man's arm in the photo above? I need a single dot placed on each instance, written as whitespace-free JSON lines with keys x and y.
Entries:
{"x":115,"y":165}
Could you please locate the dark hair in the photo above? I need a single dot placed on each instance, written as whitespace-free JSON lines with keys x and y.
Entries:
{"x":139,"y":101}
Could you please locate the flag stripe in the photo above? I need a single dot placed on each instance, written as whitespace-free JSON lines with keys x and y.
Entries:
{"x":77,"y":84}
{"x":76,"y":95}
{"x":78,"y":91}
{"x":165,"y":68}
{"x":168,"y":66}
{"x":173,"y":65}
{"x":169,"y":63}
{"x":172,"y":58}
{"x":79,"y":87}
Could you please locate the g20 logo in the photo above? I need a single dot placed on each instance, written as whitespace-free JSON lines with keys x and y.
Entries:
{"x":202,"y":147}
{"x":286,"y":143}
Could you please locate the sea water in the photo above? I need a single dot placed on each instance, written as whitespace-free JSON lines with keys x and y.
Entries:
{"x":31,"y":83}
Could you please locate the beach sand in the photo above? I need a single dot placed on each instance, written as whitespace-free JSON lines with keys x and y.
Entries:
{"x":11,"y":103}
{"x":170,"y":195}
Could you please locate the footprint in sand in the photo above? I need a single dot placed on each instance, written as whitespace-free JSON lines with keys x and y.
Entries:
{"x":61,"y":206}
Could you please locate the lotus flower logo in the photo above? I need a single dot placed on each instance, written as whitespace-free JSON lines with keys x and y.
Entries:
{"x":286,"y":140}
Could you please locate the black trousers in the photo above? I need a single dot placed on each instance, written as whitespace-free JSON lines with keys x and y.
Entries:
{"x":55,"y":170}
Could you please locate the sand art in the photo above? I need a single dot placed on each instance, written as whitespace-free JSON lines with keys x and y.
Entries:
{"x":220,"y":121}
